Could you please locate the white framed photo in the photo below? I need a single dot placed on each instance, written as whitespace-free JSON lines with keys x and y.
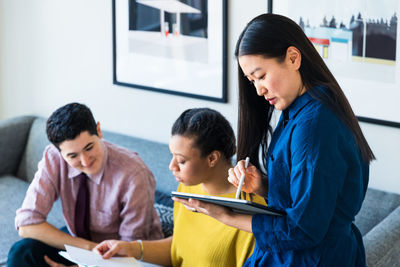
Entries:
{"x":171,"y":46}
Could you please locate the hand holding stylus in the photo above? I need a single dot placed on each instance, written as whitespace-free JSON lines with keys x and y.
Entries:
{"x":254,"y":181}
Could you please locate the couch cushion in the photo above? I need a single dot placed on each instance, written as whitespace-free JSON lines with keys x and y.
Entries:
{"x":12,"y":194}
{"x":14,"y":135}
{"x":382,"y":243}
{"x":166,"y":214}
{"x":36,"y":144}
{"x":376,"y":206}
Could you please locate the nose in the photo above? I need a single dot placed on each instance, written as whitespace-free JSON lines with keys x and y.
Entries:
{"x":172,"y":165}
{"x":85,"y":160}
{"x":261,"y":90}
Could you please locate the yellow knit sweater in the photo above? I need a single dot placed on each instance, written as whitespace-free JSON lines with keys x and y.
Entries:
{"x":199,"y":240}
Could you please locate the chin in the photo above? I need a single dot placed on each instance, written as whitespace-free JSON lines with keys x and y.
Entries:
{"x":91,"y":171}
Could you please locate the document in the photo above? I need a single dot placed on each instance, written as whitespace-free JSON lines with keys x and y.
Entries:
{"x":87,"y":258}
{"x":237,"y":205}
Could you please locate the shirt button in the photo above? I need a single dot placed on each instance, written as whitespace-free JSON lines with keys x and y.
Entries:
{"x":272,"y":157}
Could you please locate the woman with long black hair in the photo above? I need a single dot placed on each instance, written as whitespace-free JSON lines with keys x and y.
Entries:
{"x":316,"y":162}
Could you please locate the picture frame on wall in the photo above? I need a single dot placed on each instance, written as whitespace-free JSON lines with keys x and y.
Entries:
{"x":360,"y":46}
{"x":170,"y":46}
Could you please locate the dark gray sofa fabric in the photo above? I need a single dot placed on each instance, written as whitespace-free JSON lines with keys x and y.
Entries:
{"x":13,"y":136}
{"x":23,"y":139}
{"x":376,"y":207}
{"x":384,"y":241}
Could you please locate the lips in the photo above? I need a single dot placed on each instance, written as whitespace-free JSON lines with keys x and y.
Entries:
{"x":179,"y":180}
{"x":271,"y":100}
{"x":90,"y":165}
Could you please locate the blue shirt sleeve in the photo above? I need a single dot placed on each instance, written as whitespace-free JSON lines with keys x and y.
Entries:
{"x":319,"y":151}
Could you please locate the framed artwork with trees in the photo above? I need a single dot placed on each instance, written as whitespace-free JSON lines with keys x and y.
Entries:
{"x":358,"y":41}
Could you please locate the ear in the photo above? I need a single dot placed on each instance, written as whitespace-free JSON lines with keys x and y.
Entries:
{"x":99,"y":133}
{"x":293,"y":57}
{"x":213,"y":158}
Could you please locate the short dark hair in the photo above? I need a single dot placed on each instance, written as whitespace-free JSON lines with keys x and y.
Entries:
{"x":270,"y":35}
{"x":68,"y":121}
{"x":210,"y":130}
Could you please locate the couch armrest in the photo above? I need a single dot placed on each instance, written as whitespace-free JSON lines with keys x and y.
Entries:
{"x":382,"y":243}
{"x":13,"y":138}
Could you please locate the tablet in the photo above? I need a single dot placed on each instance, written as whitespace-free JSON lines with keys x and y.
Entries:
{"x":236,"y":205}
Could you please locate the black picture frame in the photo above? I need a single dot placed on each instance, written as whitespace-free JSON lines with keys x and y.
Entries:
{"x":192,"y":66}
{"x":362,"y":118}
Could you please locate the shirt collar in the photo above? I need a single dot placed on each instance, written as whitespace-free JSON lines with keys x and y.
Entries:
{"x":294,"y":108}
{"x":96,"y":178}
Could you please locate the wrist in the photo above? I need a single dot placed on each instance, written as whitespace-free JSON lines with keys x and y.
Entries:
{"x":139,"y":250}
{"x":91,"y":245}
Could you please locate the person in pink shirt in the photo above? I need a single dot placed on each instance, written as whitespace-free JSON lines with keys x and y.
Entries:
{"x":106,"y":191}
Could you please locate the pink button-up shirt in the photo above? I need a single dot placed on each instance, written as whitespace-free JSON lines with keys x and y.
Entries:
{"x":121,"y":195}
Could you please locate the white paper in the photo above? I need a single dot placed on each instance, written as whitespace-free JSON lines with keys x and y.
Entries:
{"x":88,"y":258}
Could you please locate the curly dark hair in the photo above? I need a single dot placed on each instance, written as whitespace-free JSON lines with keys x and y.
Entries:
{"x":210,"y":130}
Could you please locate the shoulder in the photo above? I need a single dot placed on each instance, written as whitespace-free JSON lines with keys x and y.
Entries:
{"x":316,"y":121}
{"x":51,"y":151}
{"x":52,"y":157}
{"x":318,"y":131}
{"x":124,"y":158}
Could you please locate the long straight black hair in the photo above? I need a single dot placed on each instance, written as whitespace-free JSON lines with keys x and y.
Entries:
{"x":270,"y":35}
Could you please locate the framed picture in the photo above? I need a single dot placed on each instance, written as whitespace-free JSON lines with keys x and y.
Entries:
{"x":359,"y":44}
{"x":171,"y":46}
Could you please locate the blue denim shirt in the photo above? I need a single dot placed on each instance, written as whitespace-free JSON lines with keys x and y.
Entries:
{"x":317,"y":176}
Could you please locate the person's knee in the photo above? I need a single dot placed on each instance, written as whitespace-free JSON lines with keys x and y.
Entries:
{"x":22,"y":246}
{"x":24,"y":251}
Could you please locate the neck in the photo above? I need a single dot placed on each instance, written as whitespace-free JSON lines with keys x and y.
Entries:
{"x":217,"y":182}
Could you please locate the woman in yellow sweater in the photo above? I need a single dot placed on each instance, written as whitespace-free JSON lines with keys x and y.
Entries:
{"x":202,"y":144}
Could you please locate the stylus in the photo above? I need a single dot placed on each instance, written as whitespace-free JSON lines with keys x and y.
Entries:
{"x":239,"y":189}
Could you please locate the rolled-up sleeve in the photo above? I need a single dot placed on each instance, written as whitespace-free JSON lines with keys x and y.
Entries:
{"x":41,"y":194}
{"x":318,"y":155}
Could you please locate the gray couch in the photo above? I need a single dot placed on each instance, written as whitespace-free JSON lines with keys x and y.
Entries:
{"x":22,"y":141}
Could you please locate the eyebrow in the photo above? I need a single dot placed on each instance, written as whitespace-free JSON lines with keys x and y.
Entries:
{"x":256,"y":69}
{"x":73,"y":153}
{"x":179,"y":154}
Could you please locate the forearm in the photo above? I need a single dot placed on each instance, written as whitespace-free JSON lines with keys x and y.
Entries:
{"x":52,"y":236}
{"x":154,"y":251}
{"x":240,"y":221}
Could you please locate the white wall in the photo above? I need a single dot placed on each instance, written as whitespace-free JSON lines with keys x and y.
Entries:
{"x":56,"y":51}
